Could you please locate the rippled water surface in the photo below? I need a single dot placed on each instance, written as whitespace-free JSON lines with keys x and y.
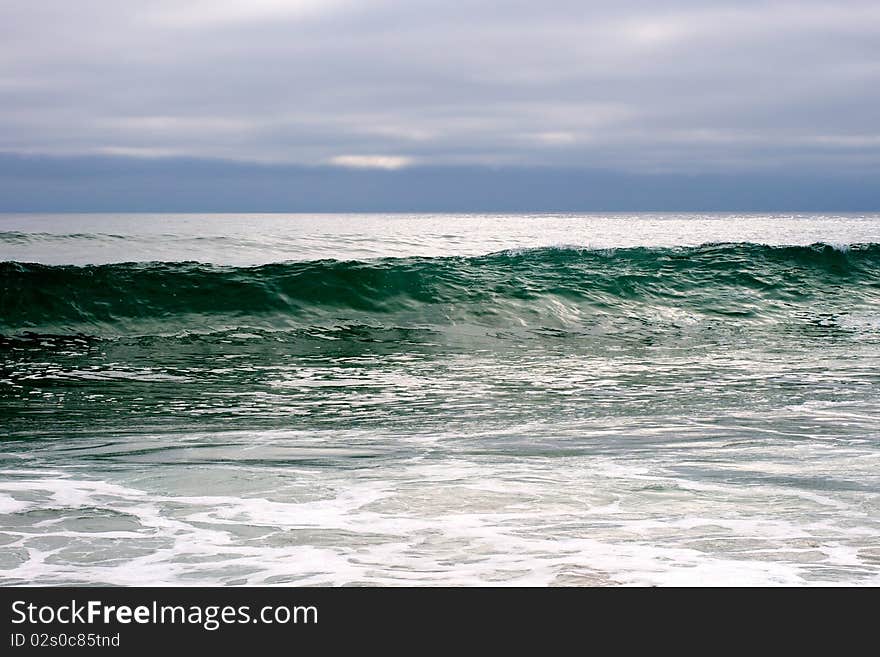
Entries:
{"x":342,"y":399}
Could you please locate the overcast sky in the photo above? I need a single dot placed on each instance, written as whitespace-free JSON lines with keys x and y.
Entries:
{"x":638,"y":87}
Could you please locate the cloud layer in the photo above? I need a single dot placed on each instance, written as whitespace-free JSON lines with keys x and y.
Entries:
{"x":634,"y":86}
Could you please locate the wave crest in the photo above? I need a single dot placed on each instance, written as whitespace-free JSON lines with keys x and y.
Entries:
{"x":543,"y":287}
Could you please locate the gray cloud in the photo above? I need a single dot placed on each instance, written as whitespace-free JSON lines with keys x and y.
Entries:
{"x":671,"y":86}
{"x":171,"y":184}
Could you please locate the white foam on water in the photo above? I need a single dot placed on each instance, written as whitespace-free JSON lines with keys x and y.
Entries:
{"x":534,"y":522}
{"x":9,"y":504}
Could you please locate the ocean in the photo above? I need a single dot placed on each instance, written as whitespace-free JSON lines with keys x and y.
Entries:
{"x":439,"y":399}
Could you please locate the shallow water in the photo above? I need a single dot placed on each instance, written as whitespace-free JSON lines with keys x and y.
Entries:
{"x":342,"y":399}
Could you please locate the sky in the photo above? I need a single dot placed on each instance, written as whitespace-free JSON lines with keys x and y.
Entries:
{"x":424,"y":104}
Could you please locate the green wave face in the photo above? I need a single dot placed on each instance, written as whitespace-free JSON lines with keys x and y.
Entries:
{"x":548,"y":289}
